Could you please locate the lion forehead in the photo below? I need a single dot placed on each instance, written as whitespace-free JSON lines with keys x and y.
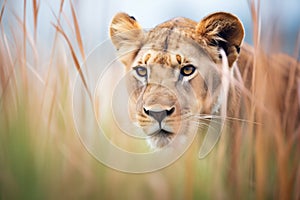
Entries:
{"x":168,"y":39}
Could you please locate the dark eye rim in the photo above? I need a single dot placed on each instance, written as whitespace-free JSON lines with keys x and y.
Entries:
{"x":186,"y":66}
{"x":137,"y":70}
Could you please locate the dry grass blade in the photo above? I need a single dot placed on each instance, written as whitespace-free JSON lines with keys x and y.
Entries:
{"x":36,"y":6}
{"x":52,"y":107}
{"x":24,"y":29}
{"x":28,"y":38}
{"x":61,"y":6}
{"x":77,"y":32}
{"x":52,"y":53}
{"x":2,"y":11}
{"x":24,"y":76}
{"x":55,"y":36}
{"x":11,"y":73}
{"x":75,"y":59}
{"x":255,"y":14}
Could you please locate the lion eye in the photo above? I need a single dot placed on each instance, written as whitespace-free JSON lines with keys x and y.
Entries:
{"x":187,"y":70}
{"x":141,"y":71}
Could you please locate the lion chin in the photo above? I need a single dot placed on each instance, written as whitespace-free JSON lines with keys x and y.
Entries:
{"x":164,"y":139}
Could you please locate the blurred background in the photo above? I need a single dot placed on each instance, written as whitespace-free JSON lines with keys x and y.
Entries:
{"x":94,"y":16}
{"x":42,"y":46}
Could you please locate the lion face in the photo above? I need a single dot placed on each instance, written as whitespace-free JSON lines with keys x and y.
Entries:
{"x":168,"y":89}
{"x":173,"y":74}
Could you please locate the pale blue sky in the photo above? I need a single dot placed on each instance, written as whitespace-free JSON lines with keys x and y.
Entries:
{"x":95,"y":15}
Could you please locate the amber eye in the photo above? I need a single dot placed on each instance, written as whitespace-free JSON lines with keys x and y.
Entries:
{"x":187,"y":70}
{"x":141,"y":71}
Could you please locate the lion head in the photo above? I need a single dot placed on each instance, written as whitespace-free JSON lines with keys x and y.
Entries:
{"x":173,"y":70}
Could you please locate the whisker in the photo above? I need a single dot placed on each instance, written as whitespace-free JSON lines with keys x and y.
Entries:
{"x":200,"y":124}
{"x":205,"y":116}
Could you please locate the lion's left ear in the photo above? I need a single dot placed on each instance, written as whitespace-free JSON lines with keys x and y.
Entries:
{"x":223,"y":30}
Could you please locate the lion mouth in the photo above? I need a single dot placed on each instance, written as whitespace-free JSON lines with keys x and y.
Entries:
{"x":159,"y":138}
{"x":161,"y":132}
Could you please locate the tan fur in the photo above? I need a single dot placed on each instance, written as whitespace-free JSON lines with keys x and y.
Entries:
{"x":164,"y":51}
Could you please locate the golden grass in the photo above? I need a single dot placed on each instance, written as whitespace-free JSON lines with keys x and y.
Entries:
{"x":36,"y":5}
{"x":41,"y":156}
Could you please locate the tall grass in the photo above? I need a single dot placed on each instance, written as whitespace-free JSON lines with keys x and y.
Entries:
{"x":41,"y":156}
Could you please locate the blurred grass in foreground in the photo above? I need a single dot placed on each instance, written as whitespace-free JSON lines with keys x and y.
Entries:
{"x":41,"y":156}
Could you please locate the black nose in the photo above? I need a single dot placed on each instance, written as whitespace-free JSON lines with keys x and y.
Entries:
{"x":159,"y":115}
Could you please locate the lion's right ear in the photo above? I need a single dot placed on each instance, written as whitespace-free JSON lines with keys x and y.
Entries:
{"x":126,"y":35}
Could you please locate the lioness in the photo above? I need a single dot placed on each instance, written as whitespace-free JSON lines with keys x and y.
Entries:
{"x":182,"y":71}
